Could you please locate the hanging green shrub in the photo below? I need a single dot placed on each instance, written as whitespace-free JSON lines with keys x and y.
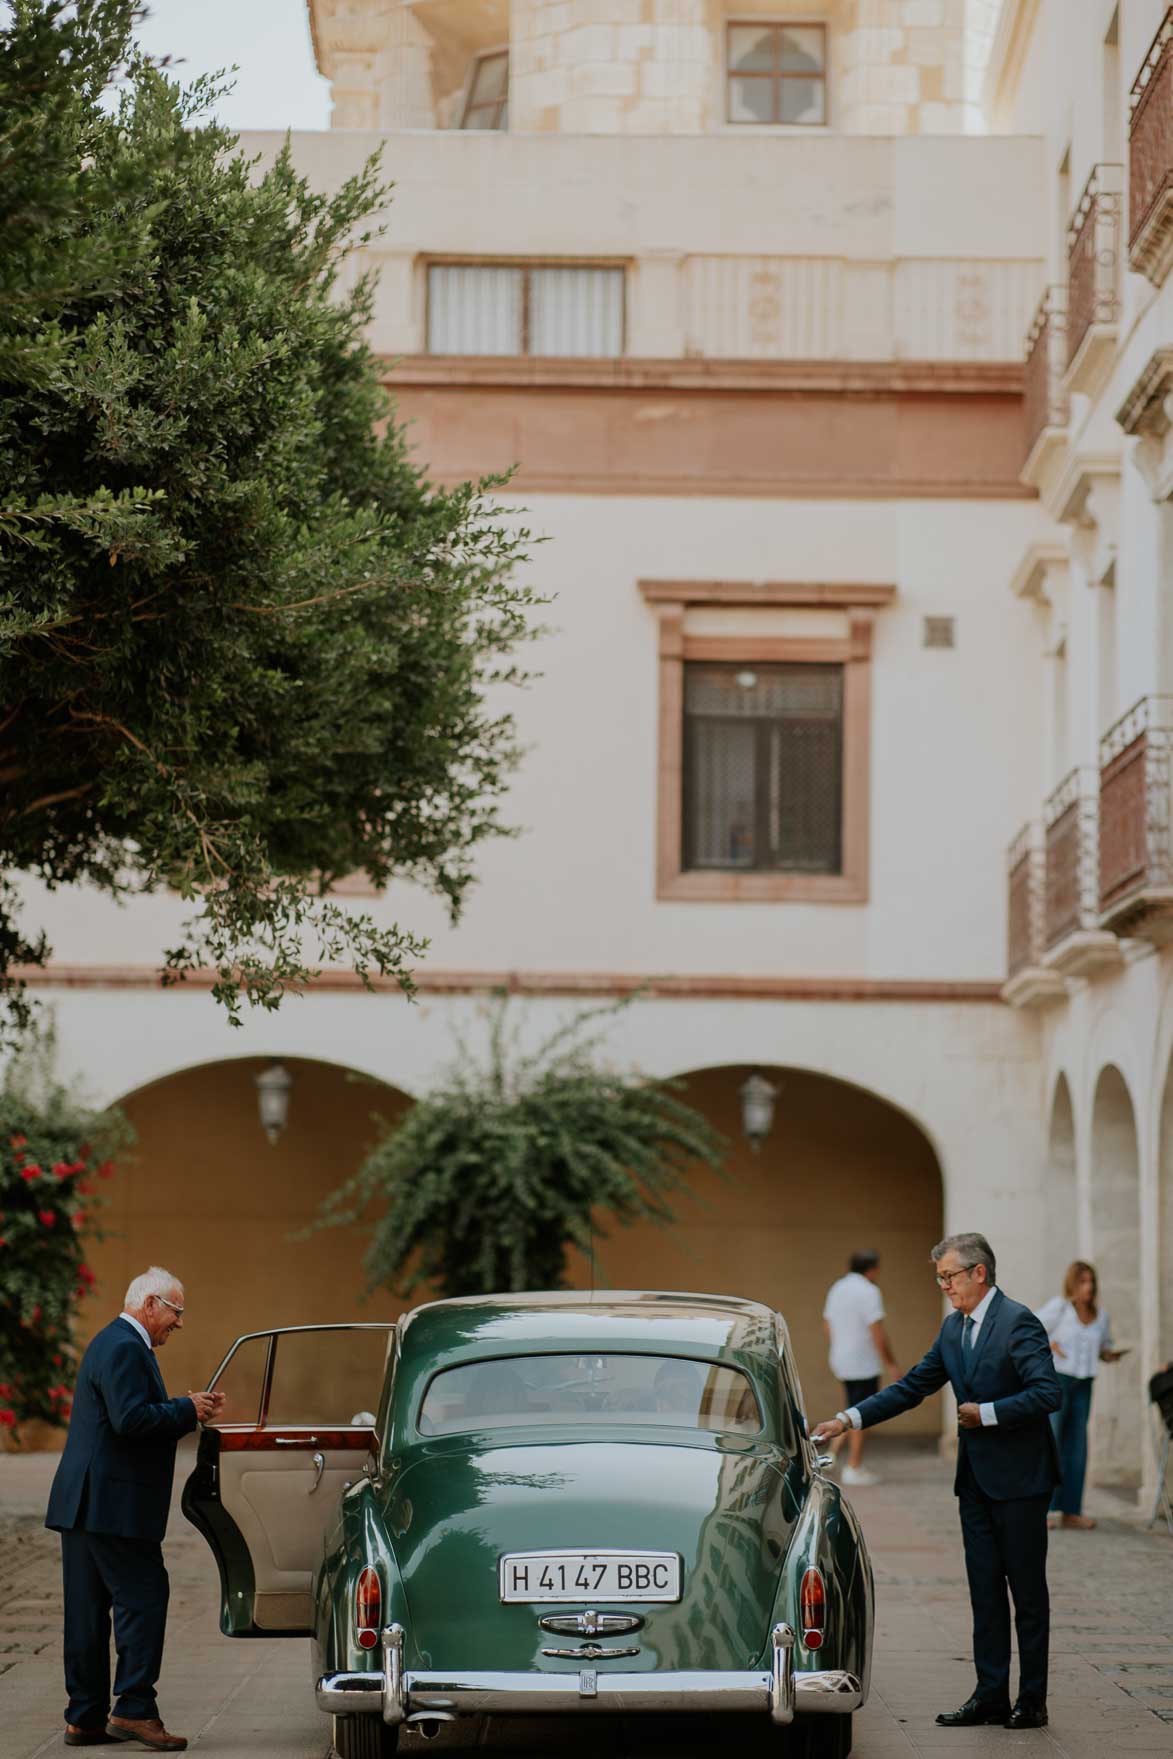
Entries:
{"x":487,"y":1181}
{"x":55,"y":1154}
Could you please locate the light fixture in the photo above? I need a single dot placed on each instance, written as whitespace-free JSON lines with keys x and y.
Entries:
{"x":273,"y":1086}
{"x":757,"y":1109}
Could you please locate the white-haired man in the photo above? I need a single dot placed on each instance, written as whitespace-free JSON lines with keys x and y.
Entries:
{"x":109,"y":1501}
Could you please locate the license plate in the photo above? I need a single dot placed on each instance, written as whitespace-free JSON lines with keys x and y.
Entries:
{"x":589,"y":1575}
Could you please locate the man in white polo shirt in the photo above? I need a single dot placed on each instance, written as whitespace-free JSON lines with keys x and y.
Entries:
{"x":853,"y":1319}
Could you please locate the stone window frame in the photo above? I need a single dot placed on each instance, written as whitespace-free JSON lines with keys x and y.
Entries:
{"x":498,"y":105}
{"x":450,"y":260}
{"x":669,"y":600}
{"x":733,"y":21}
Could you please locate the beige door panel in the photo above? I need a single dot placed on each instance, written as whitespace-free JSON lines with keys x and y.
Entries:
{"x":281,"y":1517}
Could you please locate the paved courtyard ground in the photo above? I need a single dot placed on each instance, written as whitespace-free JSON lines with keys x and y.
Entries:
{"x":1111,"y":1683}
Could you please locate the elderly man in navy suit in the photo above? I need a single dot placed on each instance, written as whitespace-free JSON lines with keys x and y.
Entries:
{"x":995,"y":1355}
{"x":109,"y":1500}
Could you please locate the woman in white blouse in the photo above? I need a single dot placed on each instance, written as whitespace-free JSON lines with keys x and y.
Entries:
{"x":1081,"y":1338}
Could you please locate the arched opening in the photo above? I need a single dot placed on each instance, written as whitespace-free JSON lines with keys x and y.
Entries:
{"x":1165,"y":1224}
{"x":205,"y":1194}
{"x":1117,"y":1408}
{"x":1060,"y":1242}
{"x":842,"y":1170}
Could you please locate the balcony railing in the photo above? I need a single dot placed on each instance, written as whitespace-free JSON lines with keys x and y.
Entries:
{"x":1150,"y":160}
{"x":1093,"y":258}
{"x":1136,"y":820}
{"x":1072,"y":899}
{"x":1044,"y":393}
{"x":1026,"y":873}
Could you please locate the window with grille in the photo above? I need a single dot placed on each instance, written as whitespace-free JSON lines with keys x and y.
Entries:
{"x":776,"y":73}
{"x":487,"y":103}
{"x":763,"y":768}
{"x":506,"y":308}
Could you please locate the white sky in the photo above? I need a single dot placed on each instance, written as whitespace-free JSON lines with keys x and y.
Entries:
{"x":268,"y":40}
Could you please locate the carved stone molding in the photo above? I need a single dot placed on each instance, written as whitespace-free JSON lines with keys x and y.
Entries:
{"x":1147,"y":414}
{"x":1041,"y":575}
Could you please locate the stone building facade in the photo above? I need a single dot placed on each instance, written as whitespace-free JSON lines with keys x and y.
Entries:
{"x":847,"y":584}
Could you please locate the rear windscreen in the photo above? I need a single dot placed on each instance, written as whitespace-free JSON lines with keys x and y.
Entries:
{"x":598,"y":1389}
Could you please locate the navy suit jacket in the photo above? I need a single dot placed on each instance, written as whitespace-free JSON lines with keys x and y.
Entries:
{"x":115,"y":1473}
{"x":1011,"y":1367}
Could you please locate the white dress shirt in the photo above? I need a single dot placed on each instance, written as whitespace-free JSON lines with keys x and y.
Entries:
{"x":1081,"y":1344}
{"x":986,"y":1411}
{"x":139,"y":1327}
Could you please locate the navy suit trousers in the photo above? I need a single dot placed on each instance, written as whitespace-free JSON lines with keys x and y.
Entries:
{"x":1006,"y":1543}
{"x":103,"y":1573}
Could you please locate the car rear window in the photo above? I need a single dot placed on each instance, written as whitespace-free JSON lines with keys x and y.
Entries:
{"x":672,"y":1391}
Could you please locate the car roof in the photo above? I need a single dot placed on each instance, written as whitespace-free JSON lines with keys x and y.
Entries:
{"x":654,"y":1320}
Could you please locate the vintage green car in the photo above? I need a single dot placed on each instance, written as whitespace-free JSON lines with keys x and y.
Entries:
{"x":565,"y":1503}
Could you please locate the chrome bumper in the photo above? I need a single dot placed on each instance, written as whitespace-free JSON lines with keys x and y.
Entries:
{"x":398,"y":1695}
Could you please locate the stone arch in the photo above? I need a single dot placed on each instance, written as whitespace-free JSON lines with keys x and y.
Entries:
{"x":1117,"y":1410}
{"x":1060,"y":1238}
{"x":205,"y":1194}
{"x":843,"y":1169}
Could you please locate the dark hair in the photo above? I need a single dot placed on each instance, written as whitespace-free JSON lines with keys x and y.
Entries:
{"x":863,"y":1262}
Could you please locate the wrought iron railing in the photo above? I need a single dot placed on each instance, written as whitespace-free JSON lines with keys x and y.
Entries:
{"x":1026,"y":880}
{"x":1044,"y":403}
{"x":1136,"y":834}
{"x":1072,"y":857}
{"x":1150,"y":152}
{"x":1093,"y":256}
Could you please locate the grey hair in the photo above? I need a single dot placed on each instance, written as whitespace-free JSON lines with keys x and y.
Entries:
{"x":972,"y":1249}
{"x":155,"y":1281}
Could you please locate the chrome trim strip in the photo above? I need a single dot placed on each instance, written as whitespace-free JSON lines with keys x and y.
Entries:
{"x":589,"y":1652}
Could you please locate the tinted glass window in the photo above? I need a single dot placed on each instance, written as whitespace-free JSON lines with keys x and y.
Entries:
{"x":595,"y":1389}
{"x":241,"y":1381}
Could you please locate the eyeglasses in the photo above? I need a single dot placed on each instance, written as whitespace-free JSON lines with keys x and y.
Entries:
{"x":180,"y":1310}
{"x":944,"y":1281}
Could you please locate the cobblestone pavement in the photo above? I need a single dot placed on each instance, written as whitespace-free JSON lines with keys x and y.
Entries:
{"x":1111,"y":1679}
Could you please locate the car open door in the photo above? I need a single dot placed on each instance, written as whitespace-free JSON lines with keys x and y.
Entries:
{"x":297,"y":1425}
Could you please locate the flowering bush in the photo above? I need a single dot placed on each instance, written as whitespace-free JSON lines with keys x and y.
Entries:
{"x":54,"y":1158}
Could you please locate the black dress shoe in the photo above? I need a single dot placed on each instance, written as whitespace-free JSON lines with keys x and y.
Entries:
{"x":86,"y":1737}
{"x":976,"y":1711}
{"x":1027,"y":1715}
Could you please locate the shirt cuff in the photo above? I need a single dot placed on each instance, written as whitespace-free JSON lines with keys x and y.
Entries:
{"x":851,"y":1417}
{"x":986,"y":1413}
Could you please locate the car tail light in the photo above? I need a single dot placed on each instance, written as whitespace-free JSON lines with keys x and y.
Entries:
{"x":368,"y":1608}
{"x":812,"y":1603}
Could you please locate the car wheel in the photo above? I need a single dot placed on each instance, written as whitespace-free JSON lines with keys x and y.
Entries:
{"x":364,"y":1737}
{"x":818,"y":1737}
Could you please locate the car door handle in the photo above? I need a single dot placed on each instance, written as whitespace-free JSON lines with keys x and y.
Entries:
{"x":295,"y":1441}
{"x":320,"y":1463}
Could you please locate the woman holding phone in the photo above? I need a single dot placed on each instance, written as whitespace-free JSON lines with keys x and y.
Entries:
{"x":1081,"y":1338}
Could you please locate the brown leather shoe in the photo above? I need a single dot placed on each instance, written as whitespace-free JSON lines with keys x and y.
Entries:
{"x":86,"y":1737}
{"x":148,"y":1731}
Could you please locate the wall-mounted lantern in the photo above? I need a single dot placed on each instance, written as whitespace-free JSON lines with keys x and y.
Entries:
{"x":273,"y":1085}
{"x":757,"y":1109}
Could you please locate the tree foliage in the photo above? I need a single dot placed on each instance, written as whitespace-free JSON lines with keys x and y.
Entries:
{"x":54,"y":1153}
{"x":487,"y":1181}
{"x":244,"y":644}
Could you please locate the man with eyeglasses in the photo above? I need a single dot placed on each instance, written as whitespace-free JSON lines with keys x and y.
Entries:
{"x":995,"y":1355}
{"x":109,"y":1501}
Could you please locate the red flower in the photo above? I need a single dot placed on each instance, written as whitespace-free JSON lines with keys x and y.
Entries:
{"x":7,"y":1418}
{"x":17,"y":1141}
{"x":3,"y":1240}
{"x":5,"y":1391}
{"x":85,"y":1151}
{"x":36,"y":1314}
{"x":20,"y":1157}
{"x":61,"y":1169}
{"x":106,"y":1170}
{"x":57,"y":1361}
{"x":85,"y":1273}
{"x":47,"y":1218}
{"x":84,"y":1188}
{"x":30,"y":1174}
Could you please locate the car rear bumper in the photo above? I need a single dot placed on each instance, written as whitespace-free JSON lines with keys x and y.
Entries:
{"x":401,"y":1696}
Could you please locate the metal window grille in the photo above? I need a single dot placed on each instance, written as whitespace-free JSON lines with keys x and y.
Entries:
{"x":940,"y":632}
{"x":776,"y":73}
{"x":487,"y":103}
{"x":763,"y":768}
{"x":566,"y":310}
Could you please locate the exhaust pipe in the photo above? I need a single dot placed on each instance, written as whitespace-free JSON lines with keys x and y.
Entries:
{"x":427,"y":1722}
